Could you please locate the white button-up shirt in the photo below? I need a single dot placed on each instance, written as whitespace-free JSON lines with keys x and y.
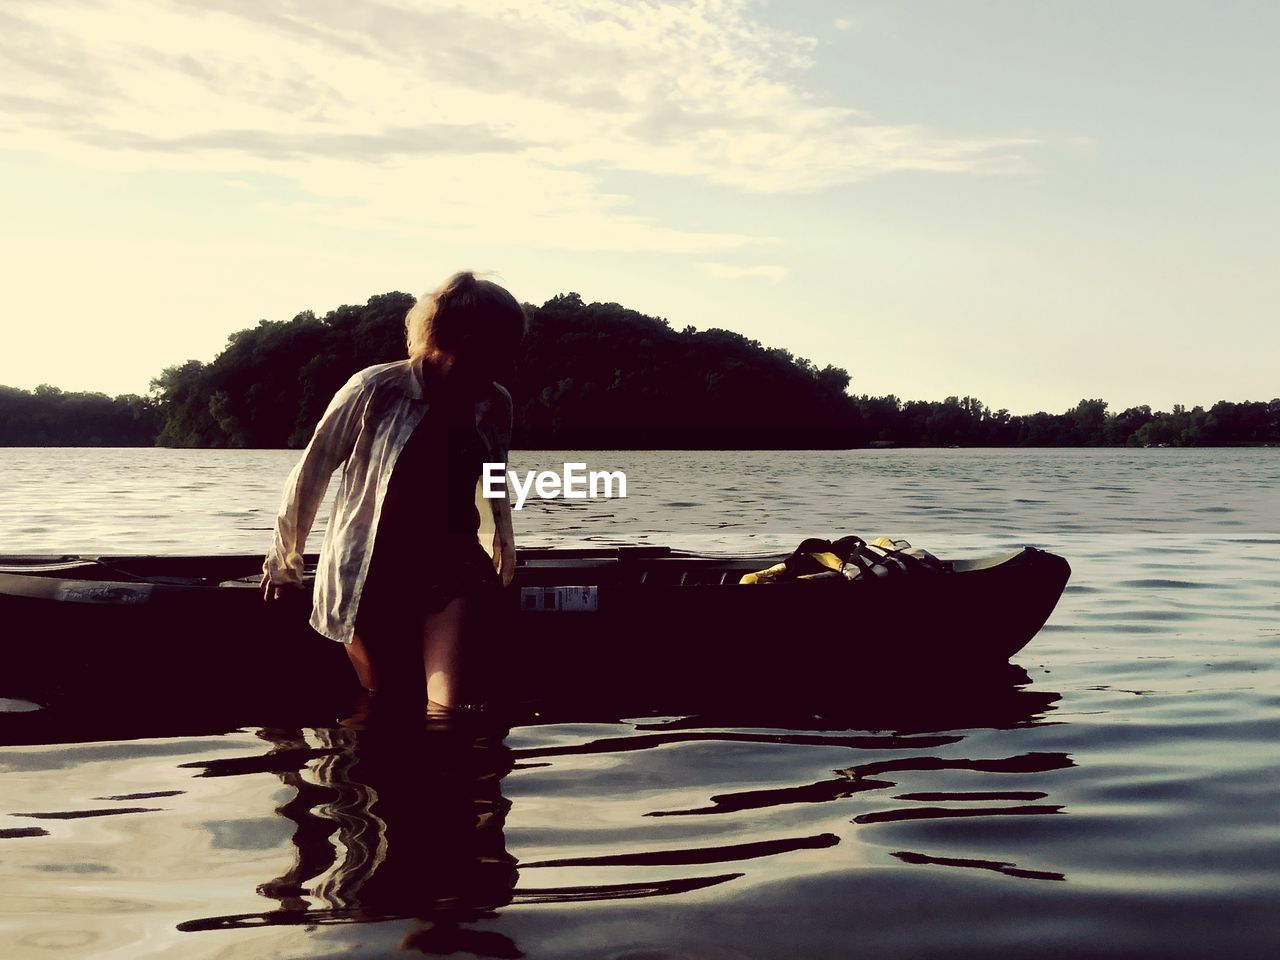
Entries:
{"x":364,"y":428}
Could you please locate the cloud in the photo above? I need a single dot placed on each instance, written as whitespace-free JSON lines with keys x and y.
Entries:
{"x":726,"y":271}
{"x":428,"y":139}
{"x":438,"y":116}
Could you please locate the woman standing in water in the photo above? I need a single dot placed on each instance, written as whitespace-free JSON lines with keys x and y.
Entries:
{"x":412,"y":547}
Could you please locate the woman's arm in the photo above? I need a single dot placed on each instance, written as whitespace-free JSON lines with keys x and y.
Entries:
{"x":330,"y":445}
{"x":504,"y":538}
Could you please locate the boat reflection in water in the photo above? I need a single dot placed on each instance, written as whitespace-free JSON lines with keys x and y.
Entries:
{"x":400,"y":819}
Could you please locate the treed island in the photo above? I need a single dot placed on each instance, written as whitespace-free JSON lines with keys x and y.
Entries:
{"x":592,"y":376}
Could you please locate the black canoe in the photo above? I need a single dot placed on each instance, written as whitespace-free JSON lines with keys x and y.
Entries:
{"x":575,"y":620}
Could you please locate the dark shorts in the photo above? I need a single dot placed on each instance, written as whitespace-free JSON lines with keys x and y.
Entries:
{"x":400,"y":591}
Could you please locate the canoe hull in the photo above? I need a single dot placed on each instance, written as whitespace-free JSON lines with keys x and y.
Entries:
{"x":797,"y":635}
{"x":652,"y":620}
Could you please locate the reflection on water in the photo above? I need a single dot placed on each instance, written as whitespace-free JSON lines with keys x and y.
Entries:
{"x":397,"y":819}
{"x":1008,"y":869}
{"x":390,"y":820}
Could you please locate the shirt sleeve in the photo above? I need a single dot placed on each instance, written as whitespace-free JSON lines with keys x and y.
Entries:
{"x":330,"y":445}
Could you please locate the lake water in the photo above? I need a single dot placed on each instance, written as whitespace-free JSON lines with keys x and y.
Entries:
{"x":1117,"y":796}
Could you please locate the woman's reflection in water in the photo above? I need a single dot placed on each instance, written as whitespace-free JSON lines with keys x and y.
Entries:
{"x":400,"y":818}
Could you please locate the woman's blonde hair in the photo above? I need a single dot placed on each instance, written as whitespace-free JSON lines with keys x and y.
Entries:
{"x":465,"y":312}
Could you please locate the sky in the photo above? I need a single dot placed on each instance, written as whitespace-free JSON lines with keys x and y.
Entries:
{"x":1027,"y":201}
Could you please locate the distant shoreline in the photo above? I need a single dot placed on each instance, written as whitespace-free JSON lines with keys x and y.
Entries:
{"x":593,"y":376}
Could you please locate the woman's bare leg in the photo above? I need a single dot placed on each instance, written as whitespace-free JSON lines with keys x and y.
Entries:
{"x":358,"y":654}
{"x":443,"y":635}
{"x":455,"y":654}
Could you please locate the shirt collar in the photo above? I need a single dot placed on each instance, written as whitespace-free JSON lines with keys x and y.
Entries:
{"x":414,"y":385}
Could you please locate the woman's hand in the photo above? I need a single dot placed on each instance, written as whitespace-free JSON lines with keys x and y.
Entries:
{"x":270,"y":589}
{"x":504,"y":557}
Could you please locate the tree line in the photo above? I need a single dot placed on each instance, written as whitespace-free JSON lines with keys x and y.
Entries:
{"x":591,"y":376}
{"x":50,"y":417}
